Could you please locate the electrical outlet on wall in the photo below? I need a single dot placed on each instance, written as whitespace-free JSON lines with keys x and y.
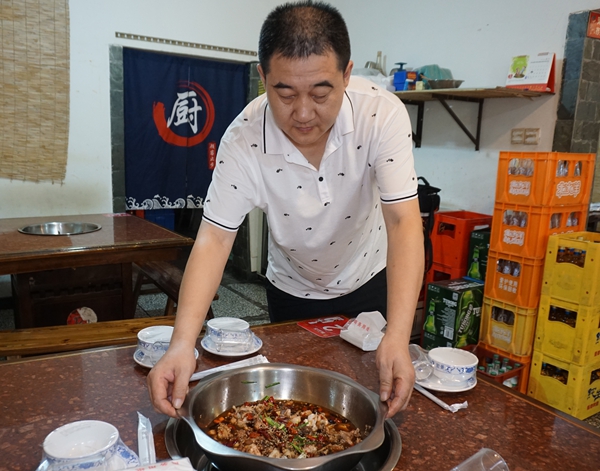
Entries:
{"x":517,"y":136}
{"x":532,"y":136}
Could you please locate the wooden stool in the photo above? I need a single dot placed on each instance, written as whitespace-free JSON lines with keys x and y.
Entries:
{"x":167,"y":277}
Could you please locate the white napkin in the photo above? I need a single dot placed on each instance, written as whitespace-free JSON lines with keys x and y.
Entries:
{"x":146,"y":450}
{"x":365,"y":331}
{"x":236,"y":364}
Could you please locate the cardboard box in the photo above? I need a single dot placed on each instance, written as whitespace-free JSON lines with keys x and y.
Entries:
{"x":479,"y":246}
{"x":453,"y":313}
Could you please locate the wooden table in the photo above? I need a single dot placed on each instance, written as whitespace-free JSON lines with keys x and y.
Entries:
{"x":59,"y":273}
{"x":40,"y":394}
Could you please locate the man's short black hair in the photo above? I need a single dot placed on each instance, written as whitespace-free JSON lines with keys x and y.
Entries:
{"x":298,"y":30}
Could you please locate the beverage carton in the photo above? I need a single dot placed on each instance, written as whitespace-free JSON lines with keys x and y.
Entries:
{"x":453,"y":313}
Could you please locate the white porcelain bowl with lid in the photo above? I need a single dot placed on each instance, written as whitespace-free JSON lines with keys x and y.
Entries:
{"x":229,"y":332}
{"x":154,"y":341}
{"x":453,"y":365}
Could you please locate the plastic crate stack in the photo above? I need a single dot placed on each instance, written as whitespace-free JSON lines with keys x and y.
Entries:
{"x":537,"y":195}
{"x":565,"y":368}
{"x":450,"y":240}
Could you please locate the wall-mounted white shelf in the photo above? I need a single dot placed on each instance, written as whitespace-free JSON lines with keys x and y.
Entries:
{"x":474,"y":95}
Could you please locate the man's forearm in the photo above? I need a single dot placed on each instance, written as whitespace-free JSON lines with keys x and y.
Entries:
{"x":201,"y":279}
{"x":405,"y":263}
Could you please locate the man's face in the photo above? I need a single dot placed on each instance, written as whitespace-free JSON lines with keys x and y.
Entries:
{"x":305,"y":96}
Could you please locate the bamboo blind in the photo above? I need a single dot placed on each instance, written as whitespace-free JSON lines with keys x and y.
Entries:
{"x":34,"y":89}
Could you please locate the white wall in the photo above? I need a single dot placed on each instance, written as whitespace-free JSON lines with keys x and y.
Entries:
{"x":474,"y":38}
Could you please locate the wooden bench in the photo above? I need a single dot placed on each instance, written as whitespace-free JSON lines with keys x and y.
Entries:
{"x":64,"y":338}
{"x":167,"y":277}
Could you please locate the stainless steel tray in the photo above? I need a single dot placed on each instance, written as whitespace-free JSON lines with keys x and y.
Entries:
{"x":180,"y":443}
{"x":60,"y":228}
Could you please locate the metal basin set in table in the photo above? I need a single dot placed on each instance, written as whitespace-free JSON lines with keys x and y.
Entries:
{"x":62,"y":263}
{"x":56,"y":228}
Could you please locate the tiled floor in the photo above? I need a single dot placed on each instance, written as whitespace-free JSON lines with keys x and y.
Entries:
{"x":246,"y":300}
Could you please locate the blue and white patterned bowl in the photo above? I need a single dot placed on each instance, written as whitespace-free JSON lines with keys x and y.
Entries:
{"x":227,"y":332}
{"x":154,"y":341}
{"x":86,"y":445}
{"x":453,"y":365}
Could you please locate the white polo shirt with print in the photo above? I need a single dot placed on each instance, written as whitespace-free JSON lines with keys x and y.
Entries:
{"x":326,"y":230}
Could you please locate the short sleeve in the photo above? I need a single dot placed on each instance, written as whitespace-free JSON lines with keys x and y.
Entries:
{"x":232,"y":192}
{"x":394,"y":162}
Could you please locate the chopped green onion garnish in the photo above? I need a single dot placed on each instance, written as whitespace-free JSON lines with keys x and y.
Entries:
{"x":248,"y":382}
{"x":271,"y":385}
{"x":272,"y":423}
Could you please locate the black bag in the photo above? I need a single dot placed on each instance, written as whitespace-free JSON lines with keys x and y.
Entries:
{"x":429,"y":203}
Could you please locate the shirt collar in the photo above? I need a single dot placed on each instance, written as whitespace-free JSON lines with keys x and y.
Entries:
{"x":276,"y":142}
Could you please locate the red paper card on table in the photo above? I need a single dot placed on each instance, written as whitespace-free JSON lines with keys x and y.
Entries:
{"x":536,"y":73}
{"x":325,"y":326}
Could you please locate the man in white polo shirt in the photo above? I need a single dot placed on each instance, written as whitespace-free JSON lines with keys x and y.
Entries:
{"x":328,"y":158}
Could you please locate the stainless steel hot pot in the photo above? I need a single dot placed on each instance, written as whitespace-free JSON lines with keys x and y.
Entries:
{"x":217,"y":393}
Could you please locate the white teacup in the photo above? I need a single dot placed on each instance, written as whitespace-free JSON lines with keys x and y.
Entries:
{"x":227,"y":332}
{"x":154,"y":341}
{"x":80,"y":444}
{"x":453,"y":365}
{"x":85,"y":445}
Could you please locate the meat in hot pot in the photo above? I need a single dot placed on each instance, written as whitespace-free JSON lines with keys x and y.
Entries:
{"x":283,"y":428}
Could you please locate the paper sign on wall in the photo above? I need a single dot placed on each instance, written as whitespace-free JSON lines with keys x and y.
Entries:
{"x":535,"y":73}
{"x":593,"y":30}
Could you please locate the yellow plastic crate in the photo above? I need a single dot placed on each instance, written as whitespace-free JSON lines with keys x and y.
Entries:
{"x":507,"y":326}
{"x":577,"y":282}
{"x":565,"y":386}
{"x":568,"y":331}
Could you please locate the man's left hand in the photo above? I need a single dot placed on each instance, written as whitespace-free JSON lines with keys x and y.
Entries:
{"x":396,"y":374}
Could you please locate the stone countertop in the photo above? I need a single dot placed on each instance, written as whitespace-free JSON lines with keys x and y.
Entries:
{"x":40,"y":394}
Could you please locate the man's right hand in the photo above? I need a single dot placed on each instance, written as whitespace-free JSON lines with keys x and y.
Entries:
{"x":168,"y":381}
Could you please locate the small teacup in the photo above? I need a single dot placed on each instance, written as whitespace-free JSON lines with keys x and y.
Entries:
{"x":453,"y":365}
{"x":154,"y":341}
{"x":229,"y":332}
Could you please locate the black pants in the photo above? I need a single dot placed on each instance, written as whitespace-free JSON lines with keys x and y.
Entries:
{"x":372,"y":296}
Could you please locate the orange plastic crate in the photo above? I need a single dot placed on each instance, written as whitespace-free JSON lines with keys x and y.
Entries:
{"x":451,"y":236}
{"x":440,"y":273}
{"x":544,"y":178}
{"x":524,"y":230}
{"x":521,"y":372}
{"x":516,"y":280}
